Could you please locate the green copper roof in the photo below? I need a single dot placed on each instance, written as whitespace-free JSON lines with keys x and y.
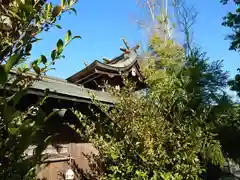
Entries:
{"x":66,"y":90}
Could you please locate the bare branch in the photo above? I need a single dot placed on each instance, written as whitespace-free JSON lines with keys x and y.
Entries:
{"x":186,"y":17}
{"x":151,"y":8}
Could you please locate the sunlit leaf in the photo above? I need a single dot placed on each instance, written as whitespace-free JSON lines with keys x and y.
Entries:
{"x":43,"y":59}
{"x":24,"y":6}
{"x":12,"y":131}
{"x":36,"y":68}
{"x":12,"y":61}
{"x":56,"y":11}
{"x":68,"y":36}
{"x":63,"y":2}
{"x":58,"y":26}
{"x":60,"y":45}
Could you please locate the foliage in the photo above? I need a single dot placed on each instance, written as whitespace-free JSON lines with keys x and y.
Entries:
{"x":234,"y":84}
{"x":20,"y":23}
{"x":231,"y":20}
{"x":168,"y":131}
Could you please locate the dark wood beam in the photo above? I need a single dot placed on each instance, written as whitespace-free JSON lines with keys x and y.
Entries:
{"x":86,"y":77}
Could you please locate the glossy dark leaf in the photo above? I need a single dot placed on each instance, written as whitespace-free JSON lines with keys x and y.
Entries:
{"x":28,"y":47}
{"x":53,"y":55}
{"x":5,"y":51}
{"x":35,"y":40}
{"x":38,"y":20}
{"x":74,"y":10}
{"x":3,"y":75}
{"x":8,"y":113}
{"x":58,"y":26}
{"x":18,"y":96}
{"x":43,"y":59}
{"x":12,"y":61}
{"x":77,"y":37}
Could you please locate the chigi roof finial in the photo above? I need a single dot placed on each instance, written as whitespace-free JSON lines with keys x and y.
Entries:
{"x":126,"y":43}
{"x":127,"y":47}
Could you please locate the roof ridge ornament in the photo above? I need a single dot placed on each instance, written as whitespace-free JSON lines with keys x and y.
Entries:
{"x":86,"y":63}
{"x":126,"y":43}
{"x":127,"y":48}
{"x":124,"y":50}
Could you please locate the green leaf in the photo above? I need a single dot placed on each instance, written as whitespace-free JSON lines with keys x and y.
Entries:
{"x":13,"y":60}
{"x":56,"y":11}
{"x":62,"y":56}
{"x":58,"y":26}
{"x":25,"y":7}
{"x":3,"y":75}
{"x":43,"y":59}
{"x":74,"y":10}
{"x":35,"y":40}
{"x":59,"y":46}
{"x":8,"y":113}
{"x":47,"y":139}
{"x":13,"y":131}
{"x":26,"y":38}
{"x":68,"y":36}
{"x":77,"y":37}
{"x":38,"y":19}
{"x":14,"y":14}
{"x":53,"y":54}
{"x":28,"y":47}
{"x":63,"y":2}
{"x":48,"y":8}
{"x":36,"y":69}
{"x":25,"y":68}
{"x":15,"y":98}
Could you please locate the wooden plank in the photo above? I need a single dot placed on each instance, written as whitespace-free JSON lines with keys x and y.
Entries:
{"x":55,"y":166}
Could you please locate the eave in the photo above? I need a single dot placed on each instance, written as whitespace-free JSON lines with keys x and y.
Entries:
{"x":116,"y":66}
{"x":61,"y":89}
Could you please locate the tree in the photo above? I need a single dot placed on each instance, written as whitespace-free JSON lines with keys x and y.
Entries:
{"x":185,"y":19}
{"x":168,"y":132}
{"x":153,"y":12}
{"x":231,"y":20}
{"x":20,"y":24}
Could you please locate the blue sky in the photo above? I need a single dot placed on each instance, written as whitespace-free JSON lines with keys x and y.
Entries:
{"x":102,"y":24}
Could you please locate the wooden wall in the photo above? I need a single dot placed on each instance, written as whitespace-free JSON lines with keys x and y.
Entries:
{"x":74,"y":155}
